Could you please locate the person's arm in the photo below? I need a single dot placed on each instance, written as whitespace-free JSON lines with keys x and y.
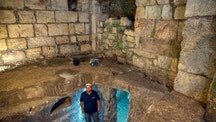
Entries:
{"x":98,"y":104}
{"x":82,"y":106}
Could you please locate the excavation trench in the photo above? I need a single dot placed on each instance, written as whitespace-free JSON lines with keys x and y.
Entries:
{"x":49,"y":91}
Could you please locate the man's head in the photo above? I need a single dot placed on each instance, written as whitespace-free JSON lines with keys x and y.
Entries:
{"x":88,"y":87}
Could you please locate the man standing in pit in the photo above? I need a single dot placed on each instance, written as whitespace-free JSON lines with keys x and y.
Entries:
{"x":90,"y":103}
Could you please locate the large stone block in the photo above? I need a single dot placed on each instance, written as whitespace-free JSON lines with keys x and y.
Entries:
{"x":84,"y":17}
{"x":85,"y":47}
{"x":140,"y":13}
{"x":58,"y":29}
{"x":41,"y":41}
{"x":166,"y":30}
{"x":161,"y":47}
{"x":59,"y":5}
{"x":179,"y":12}
{"x":198,"y":52}
{"x":195,"y":86}
{"x":33,"y":53}
{"x":85,"y":7}
{"x":124,"y":21}
{"x":35,"y":4}
{"x":83,"y":38}
{"x":68,"y":49}
{"x":200,"y":8}
{"x":49,"y":51}
{"x":45,"y":16}
{"x":62,"y":40}
{"x":80,"y":28}
{"x":3,"y":45}
{"x":26,"y":16}
{"x":167,"y":12}
{"x":40,"y":29}
{"x":13,"y":57}
{"x":154,"y":12}
{"x":138,"y":61}
{"x":3,"y":31}
{"x":21,"y":30}
{"x":12,"y":4}
{"x":145,"y":2}
{"x":143,"y":28}
{"x":17,"y":44}
{"x":66,"y":16}
{"x":7,"y":16}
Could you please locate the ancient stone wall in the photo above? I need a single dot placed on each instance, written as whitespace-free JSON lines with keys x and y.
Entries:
{"x":35,"y":29}
{"x":197,"y":64}
{"x":154,"y":44}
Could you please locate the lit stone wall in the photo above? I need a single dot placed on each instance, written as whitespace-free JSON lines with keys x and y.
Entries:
{"x":37,"y":29}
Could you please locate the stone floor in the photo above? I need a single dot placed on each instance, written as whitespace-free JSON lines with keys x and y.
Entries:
{"x":39,"y":83}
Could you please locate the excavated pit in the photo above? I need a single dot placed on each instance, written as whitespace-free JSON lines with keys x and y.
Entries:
{"x":44,"y":92}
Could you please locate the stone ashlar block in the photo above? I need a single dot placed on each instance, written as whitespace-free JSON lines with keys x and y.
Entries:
{"x":137,"y":61}
{"x":66,"y":16}
{"x":198,"y":54}
{"x":12,"y":4}
{"x":145,"y":2}
{"x":83,"y":38}
{"x":58,"y":29}
{"x":166,"y":30}
{"x":73,"y":39}
{"x":68,"y":49}
{"x":200,"y":8}
{"x":85,"y":48}
{"x":45,"y":16}
{"x":17,"y":44}
{"x":164,"y":62}
{"x":154,"y":12}
{"x":40,"y":29}
{"x":7,"y":16}
{"x":140,"y":13}
{"x":33,"y":53}
{"x":59,"y":5}
{"x":180,"y":12}
{"x":192,"y":85}
{"x":167,"y":12}
{"x":21,"y":30}
{"x":3,"y":45}
{"x":80,"y":28}
{"x":62,"y":40}
{"x":143,"y":28}
{"x":3,"y":31}
{"x":180,"y":2}
{"x":84,"y":17}
{"x":13,"y":57}
{"x":157,"y":46}
{"x":26,"y":16}
{"x":49,"y":51}
{"x":35,"y":4}
{"x":40,"y":41}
